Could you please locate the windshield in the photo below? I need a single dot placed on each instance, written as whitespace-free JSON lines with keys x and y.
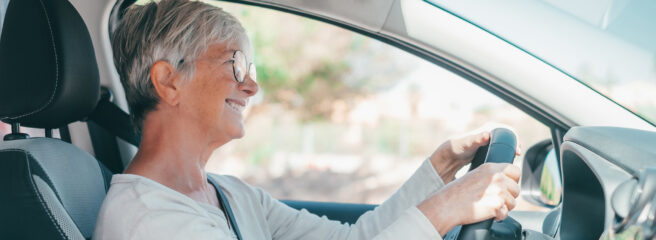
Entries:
{"x":609,"y":45}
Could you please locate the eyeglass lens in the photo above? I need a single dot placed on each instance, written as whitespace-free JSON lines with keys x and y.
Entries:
{"x":242,"y":67}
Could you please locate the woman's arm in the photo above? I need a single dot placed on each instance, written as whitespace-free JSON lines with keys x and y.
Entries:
{"x":487,"y":192}
{"x":392,"y":218}
{"x":399,"y":216}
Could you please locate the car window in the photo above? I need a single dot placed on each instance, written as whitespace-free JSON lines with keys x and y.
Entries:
{"x":607,"y":45}
{"x":343,"y":117}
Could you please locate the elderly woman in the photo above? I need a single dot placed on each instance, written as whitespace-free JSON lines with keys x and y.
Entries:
{"x":188,"y":74}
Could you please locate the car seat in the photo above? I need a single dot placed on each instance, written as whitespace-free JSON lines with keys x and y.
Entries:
{"x":49,"y":189}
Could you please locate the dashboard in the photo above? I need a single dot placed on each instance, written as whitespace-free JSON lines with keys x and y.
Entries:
{"x":595,"y":162}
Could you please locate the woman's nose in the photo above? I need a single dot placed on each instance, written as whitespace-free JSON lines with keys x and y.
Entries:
{"x":249,"y":86}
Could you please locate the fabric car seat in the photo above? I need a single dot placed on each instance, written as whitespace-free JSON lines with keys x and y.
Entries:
{"x":49,"y":189}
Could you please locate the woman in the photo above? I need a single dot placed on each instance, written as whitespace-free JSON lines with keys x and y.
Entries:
{"x":188,"y":75}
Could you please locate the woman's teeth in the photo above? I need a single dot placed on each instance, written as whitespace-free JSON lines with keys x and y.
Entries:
{"x":235,"y":106}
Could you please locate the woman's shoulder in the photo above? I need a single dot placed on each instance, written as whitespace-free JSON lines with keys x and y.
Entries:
{"x":237,"y":188}
{"x":227,"y":180}
{"x":129,"y":191}
{"x":134,"y":202}
{"x":139,"y":188}
{"x":231,"y":184}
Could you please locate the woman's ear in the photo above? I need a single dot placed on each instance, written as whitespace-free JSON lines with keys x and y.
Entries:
{"x":165,"y":80}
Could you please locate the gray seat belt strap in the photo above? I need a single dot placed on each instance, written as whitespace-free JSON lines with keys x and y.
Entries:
{"x":225,"y":207}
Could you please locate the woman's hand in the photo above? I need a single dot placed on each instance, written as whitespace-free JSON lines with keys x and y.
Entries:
{"x":487,"y":192}
{"x":456,"y":153}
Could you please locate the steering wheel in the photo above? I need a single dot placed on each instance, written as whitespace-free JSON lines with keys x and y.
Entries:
{"x":501,"y":149}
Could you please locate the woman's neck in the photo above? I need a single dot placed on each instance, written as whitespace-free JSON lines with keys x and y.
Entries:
{"x":173,"y":154}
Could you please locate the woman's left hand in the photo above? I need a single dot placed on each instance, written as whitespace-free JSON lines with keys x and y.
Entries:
{"x":458,"y":152}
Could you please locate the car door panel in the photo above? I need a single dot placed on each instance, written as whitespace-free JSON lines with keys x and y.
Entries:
{"x":343,"y":212}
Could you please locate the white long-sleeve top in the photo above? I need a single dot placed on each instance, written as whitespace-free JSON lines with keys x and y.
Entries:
{"x":139,"y":208}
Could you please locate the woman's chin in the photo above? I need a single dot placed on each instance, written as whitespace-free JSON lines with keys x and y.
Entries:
{"x":238,"y":132}
{"x":239,"y":135}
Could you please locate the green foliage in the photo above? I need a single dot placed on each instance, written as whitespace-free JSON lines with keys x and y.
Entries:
{"x":260,"y":153}
{"x":297,"y":68}
{"x":271,"y":77}
{"x":550,"y":193}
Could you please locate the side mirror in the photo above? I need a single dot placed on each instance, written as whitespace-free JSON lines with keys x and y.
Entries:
{"x":541,"y":182}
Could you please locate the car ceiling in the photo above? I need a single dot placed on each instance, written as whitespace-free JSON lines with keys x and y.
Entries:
{"x":343,"y":10}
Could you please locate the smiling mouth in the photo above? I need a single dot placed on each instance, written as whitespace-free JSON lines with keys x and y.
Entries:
{"x":234,"y":105}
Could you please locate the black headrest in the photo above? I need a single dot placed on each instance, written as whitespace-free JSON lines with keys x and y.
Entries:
{"x":48,"y":71}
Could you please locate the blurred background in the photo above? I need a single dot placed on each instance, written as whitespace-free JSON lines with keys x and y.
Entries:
{"x":346,"y":118}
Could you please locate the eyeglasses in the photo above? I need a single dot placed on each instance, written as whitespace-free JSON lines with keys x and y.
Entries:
{"x":241,"y":66}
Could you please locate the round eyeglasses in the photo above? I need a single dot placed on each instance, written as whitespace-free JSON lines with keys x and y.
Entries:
{"x":241,"y":67}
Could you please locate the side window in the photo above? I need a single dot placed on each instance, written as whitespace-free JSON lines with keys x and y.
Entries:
{"x":342,"y":117}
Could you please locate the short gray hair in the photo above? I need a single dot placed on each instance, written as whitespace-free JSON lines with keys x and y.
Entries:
{"x":176,"y":31}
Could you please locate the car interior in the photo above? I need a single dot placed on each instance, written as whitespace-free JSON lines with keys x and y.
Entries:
{"x":52,"y":189}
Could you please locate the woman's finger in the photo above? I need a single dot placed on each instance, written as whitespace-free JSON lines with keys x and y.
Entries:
{"x":502,"y":213}
{"x":509,"y":201}
{"x":481,"y":139}
{"x":512,"y":172}
{"x":512,"y":187}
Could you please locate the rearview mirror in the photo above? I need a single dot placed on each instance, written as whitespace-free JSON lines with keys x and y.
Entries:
{"x":541,"y":182}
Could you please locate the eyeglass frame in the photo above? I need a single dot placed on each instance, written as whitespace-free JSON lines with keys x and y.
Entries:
{"x":249,"y":66}
{"x":234,"y":67}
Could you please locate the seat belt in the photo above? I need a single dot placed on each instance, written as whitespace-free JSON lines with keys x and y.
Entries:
{"x":113,"y":119}
{"x":225,"y":207}
{"x":105,"y":123}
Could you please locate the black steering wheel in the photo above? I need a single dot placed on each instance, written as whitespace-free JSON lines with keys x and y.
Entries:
{"x":501,"y":149}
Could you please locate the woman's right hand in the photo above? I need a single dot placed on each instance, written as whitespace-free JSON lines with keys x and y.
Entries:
{"x":488,"y":191}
